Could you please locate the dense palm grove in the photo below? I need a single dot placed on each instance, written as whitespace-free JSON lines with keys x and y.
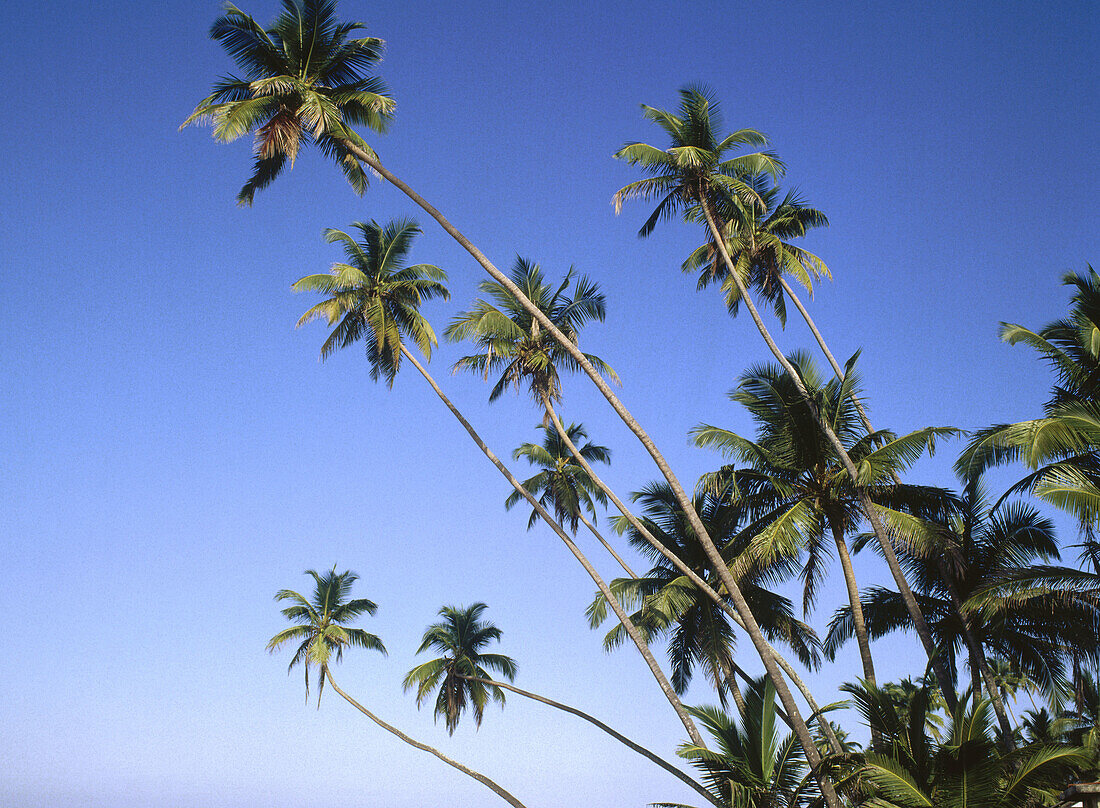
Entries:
{"x":1003,"y":607}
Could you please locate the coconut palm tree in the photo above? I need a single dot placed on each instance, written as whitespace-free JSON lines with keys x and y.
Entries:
{"x":353,"y":310}
{"x":1032,"y":614}
{"x":322,"y":632}
{"x":692,"y":172}
{"x":563,"y":485}
{"x":965,"y":769}
{"x":374,"y":296}
{"x":752,"y":766}
{"x":1064,"y":446}
{"x":460,"y":636}
{"x":795,"y":476}
{"x":667,"y":604}
{"x":305,"y":82}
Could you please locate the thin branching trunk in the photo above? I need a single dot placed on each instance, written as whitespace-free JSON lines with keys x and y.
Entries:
{"x":481,"y":778}
{"x":618,"y":736}
{"x":616,"y":607}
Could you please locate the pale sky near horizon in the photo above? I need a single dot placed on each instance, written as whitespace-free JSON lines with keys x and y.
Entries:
{"x":172,"y":452}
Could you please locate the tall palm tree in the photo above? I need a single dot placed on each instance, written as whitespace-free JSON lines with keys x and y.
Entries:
{"x":357,"y":302}
{"x":460,"y":636}
{"x":563,"y":485}
{"x":667,"y":604}
{"x":250,"y":45}
{"x":1032,"y":615}
{"x":305,"y":81}
{"x":691,"y":172}
{"x":795,"y":476}
{"x":248,"y":50}
{"x":514,"y":344}
{"x":322,"y":632}
{"x":752,"y":766}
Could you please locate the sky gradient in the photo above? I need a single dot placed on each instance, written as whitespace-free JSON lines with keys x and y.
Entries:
{"x":172,"y":452}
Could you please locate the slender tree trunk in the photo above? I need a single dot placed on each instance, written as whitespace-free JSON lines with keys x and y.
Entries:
{"x":616,"y":607}
{"x":919,"y":623}
{"x":975,"y":649}
{"x":735,"y":691}
{"x":980,"y":667}
{"x":641,"y":750}
{"x":607,"y":546}
{"x":751,"y":627}
{"x":481,"y":778}
{"x":862,"y":637}
{"x":694,"y":577}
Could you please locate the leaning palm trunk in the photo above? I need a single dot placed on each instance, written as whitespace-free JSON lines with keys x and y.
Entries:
{"x":863,"y":638}
{"x":774,"y":655}
{"x":975,"y":649}
{"x":641,"y":750}
{"x":620,"y":613}
{"x":481,"y":778}
{"x":607,"y":546}
{"x":813,"y":757}
{"x":911,"y":605}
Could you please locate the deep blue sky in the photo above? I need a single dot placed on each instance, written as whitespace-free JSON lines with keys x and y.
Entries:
{"x":172,"y":453}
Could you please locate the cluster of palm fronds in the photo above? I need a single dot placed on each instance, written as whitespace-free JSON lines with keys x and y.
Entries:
{"x":977,"y":579}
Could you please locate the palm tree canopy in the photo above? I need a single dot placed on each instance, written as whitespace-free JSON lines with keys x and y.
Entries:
{"x":793,"y":474}
{"x":697,"y":162}
{"x":758,"y":240}
{"x":513,"y":343}
{"x":321,"y":623}
{"x":751,"y":766}
{"x":563,"y":484}
{"x":460,"y":637}
{"x":374,"y":296}
{"x":306,"y":80}
{"x":668,"y":604}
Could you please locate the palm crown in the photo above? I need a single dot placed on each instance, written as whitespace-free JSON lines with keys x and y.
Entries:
{"x":562,"y":483}
{"x":305,"y":81}
{"x":322,"y":630}
{"x":374,"y":296}
{"x":696,"y":164}
{"x":460,"y":636}
{"x":512,"y":340}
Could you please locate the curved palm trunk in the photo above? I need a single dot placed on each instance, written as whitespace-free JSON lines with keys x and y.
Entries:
{"x":616,"y":607}
{"x":481,"y":778}
{"x":641,"y":750}
{"x":675,"y":560}
{"x":911,"y":605}
{"x":738,"y":598}
{"x":977,"y":653}
{"x":592,"y":528}
{"x":735,"y":691}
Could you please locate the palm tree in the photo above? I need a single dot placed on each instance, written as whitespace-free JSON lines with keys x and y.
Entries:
{"x":693,"y":172}
{"x":460,"y":636}
{"x":1064,"y":446}
{"x":248,"y":48}
{"x":795,"y":476}
{"x":752,"y":766}
{"x":374,"y":296}
{"x":322,"y":632}
{"x":1032,"y":615}
{"x":515,"y":344}
{"x":563,"y":485}
{"x":305,"y":82}
{"x":357,"y":302}
{"x":966,"y":769}
{"x":667,"y":604}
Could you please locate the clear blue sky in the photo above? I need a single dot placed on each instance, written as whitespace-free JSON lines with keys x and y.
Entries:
{"x":172,"y":453}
